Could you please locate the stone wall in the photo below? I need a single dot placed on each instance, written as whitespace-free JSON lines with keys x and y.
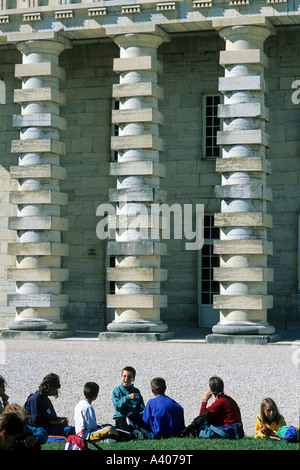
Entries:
{"x":88,"y":85}
{"x":284,"y":129}
{"x":190,"y":70}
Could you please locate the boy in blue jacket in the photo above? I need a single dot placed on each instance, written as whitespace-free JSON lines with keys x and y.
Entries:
{"x":162,"y":417}
{"x":126,"y":399}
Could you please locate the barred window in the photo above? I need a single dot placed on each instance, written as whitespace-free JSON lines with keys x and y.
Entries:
{"x":211,"y":126}
{"x":209,"y":287}
{"x":115,"y":131}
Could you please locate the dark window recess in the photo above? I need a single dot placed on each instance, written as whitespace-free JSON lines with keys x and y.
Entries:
{"x":209,"y":287}
{"x":212,"y":126}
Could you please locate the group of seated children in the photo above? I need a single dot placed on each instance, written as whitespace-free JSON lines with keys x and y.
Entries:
{"x":161,"y":417}
{"x":28,"y":427}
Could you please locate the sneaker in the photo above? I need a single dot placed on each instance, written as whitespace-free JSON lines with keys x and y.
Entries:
{"x":136,"y":434}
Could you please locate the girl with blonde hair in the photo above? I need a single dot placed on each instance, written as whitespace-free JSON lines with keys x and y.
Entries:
{"x":269,"y":420}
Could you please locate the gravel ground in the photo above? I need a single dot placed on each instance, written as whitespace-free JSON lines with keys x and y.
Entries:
{"x":250,"y":373}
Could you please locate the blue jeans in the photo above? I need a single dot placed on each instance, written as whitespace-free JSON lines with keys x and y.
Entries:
{"x":137,"y":422}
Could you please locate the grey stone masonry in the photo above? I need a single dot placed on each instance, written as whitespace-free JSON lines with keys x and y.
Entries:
{"x":137,"y":273}
{"x":113,"y":104}
{"x":243,"y":247}
{"x":38,"y":250}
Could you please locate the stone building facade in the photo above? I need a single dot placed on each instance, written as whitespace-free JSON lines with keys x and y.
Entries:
{"x":112,"y":109}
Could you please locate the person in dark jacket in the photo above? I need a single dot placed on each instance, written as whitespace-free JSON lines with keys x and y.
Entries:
{"x":41,"y":410}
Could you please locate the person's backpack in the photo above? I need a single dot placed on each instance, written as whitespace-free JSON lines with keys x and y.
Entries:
{"x":287,"y":433}
{"x":75,"y":442}
{"x":230,"y":431}
{"x":108,"y":433}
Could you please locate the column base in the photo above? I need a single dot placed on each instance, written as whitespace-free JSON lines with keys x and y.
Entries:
{"x":242,"y":339}
{"x":36,"y":329}
{"x":243,"y":328}
{"x":242,"y":333}
{"x":137,"y":326}
{"x":134,"y":337}
{"x":34,"y":334}
{"x":136,"y":330}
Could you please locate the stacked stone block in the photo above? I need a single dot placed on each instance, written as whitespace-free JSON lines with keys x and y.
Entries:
{"x":137,"y":247}
{"x":243,"y":221}
{"x":39,"y":249}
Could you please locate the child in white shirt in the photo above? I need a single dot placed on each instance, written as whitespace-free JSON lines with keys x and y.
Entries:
{"x":85,"y":417}
{"x":86,"y":425}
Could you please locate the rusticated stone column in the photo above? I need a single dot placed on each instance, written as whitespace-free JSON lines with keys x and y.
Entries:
{"x":137,"y":273}
{"x":39,"y":225}
{"x":244,"y":222}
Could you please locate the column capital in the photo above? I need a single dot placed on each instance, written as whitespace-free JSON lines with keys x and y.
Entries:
{"x":41,"y":37}
{"x":244,"y":33}
{"x":255,"y":20}
{"x":137,"y":32}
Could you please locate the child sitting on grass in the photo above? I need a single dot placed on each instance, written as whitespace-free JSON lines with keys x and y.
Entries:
{"x":11,"y":428}
{"x":41,"y":410}
{"x":86,"y":425}
{"x":32,"y":437}
{"x":84,"y":415}
{"x":126,"y":399}
{"x":269,"y":420}
{"x":162,"y":417}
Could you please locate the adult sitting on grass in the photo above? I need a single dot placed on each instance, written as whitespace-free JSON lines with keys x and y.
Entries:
{"x":41,"y":410}
{"x":224,"y":410}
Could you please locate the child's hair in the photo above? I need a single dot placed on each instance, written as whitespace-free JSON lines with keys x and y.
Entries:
{"x":18,"y":410}
{"x":216,"y":385}
{"x":158,"y":385}
{"x":129,"y":369}
{"x":2,"y":381}
{"x":264,"y":419}
{"x":90,"y":390}
{"x":11,"y":423}
{"x":51,"y":380}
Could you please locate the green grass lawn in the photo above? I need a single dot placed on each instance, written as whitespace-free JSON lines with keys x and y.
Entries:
{"x":189,"y":443}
